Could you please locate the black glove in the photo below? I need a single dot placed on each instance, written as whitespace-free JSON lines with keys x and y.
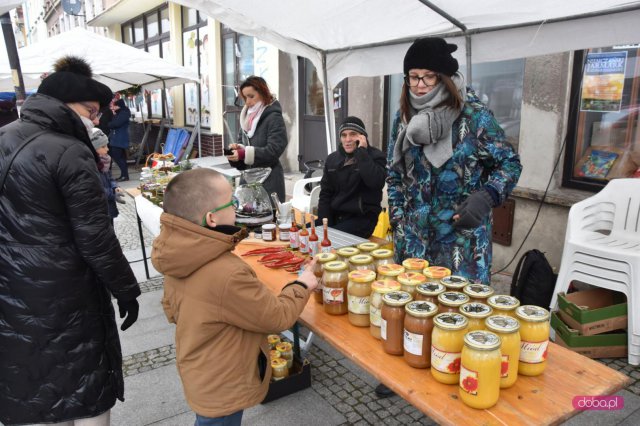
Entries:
{"x":474,"y":209}
{"x":130,"y":309}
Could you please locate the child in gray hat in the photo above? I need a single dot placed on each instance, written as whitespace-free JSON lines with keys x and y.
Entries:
{"x":114,"y":194}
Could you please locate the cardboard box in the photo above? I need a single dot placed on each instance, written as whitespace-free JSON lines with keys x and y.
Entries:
{"x":593,"y":311}
{"x":298,"y":379}
{"x":608,"y":345}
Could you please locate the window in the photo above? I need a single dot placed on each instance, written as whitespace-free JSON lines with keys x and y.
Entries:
{"x":603,"y":140}
{"x":195,"y":51}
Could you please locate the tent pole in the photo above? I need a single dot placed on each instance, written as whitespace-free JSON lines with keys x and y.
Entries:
{"x":328,"y":107}
{"x":467,"y":40}
{"x":14,"y":60}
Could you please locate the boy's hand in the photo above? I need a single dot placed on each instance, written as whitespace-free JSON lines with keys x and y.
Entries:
{"x":308,"y":277}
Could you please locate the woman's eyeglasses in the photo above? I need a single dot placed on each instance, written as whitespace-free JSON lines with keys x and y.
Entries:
{"x":93,"y":113}
{"x":233,"y":203}
{"x":428,"y":80}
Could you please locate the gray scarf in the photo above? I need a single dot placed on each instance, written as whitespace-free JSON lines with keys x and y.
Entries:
{"x":429,"y":127}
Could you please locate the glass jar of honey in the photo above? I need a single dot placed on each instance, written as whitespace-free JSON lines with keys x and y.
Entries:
{"x":478,"y":292}
{"x":410,"y":280}
{"x":450,"y":301}
{"x":359,"y":293}
{"x":378,"y":289}
{"x":446,"y":346}
{"x":273,"y":354}
{"x":392,"y":323}
{"x":480,"y":369}
{"x":454,"y":282}
{"x":476,"y":313}
{"x":413,"y":264}
{"x":361,"y":261}
{"x":286,"y":352}
{"x":435,"y":273}
{"x":368,"y":247}
{"x":503,"y":304}
{"x":429,"y":292}
{"x":418,"y":326}
{"x":534,"y":336}
{"x":273,"y":340}
{"x":334,"y":292}
{"x":382,"y":257}
{"x":345,"y":253}
{"x":279,"y":369}
{"x":507,"y":328}
{"x":389,"y":271}
{"x":318,"y":271}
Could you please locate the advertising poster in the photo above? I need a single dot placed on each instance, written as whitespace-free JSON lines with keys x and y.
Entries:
{"x":603,"y":81}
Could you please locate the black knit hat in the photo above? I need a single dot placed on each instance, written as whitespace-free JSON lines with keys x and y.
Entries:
{"x":353,"y":123}
{"x":431,"y":53}
{"x":72,"y":82}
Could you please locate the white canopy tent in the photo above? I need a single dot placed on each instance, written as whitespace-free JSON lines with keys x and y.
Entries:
{"x":370,"y":37}
{"x":7,"y":5}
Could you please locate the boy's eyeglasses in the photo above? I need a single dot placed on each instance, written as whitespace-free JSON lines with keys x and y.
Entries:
{"x":93,"y":113}
{"x":428,"y":80}
{"x":233,"y":203}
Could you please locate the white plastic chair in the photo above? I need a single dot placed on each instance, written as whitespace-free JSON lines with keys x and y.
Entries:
{"x":602,"y":248}
{"x":303,"y":201}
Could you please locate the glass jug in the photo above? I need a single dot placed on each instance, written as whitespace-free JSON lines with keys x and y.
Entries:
{"x":254,"y":205}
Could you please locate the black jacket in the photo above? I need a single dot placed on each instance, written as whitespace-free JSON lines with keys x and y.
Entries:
{"x":60,"y":262}
{"x":269,"y":142}
{"x":355,"y":189}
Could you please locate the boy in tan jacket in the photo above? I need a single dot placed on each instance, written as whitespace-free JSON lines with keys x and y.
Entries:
{"x":222,"y":311}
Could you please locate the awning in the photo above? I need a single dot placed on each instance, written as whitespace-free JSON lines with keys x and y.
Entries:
{"x":123,"y":11}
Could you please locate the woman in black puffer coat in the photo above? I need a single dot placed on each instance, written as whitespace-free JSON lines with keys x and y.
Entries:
{"x":60,"y":262}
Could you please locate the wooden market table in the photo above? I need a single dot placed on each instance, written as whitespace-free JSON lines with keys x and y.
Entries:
{"x":546,"y":399}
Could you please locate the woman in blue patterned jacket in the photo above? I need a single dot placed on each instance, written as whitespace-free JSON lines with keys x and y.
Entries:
{"x":449,"y":165}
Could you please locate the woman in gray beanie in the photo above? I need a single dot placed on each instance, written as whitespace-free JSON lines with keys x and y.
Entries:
{"x":449,"y":165}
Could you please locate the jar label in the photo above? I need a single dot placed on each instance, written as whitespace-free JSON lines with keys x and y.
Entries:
{"x":313,"y":248}
{"x":284,"y":235}
{"x":533,"y":352}
{"x":325,"y":249}
{"x":413,"y":342}
{"x":469,"y":380}
{"x":333,"y":296}
{"x":374,"y":315}
{"x":504,"y":367}
{"x":267,"y":236}
{"x":383,"y":328}
{"x":293,"y":240}
{"x":303,"y":240}
{"x":358,"y":305}
{"x":445,"y":362}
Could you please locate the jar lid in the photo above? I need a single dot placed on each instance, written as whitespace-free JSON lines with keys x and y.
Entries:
{"x":476,"y":310}
{"x":451,"y":321}
{"x":503,"y":302}
{"x":283,"y":346}
{"x":284,"y":227}
{"x":397,"y":298}
{"x":454,"y":281}
{"x":421,"y":309}
{"x":368,"y":246}
{"x":278,"y":363}
{"x":382,"y":253}
{"x":478,"y":290}
{"x":411,"y":278}
{"x":385,"y":286}
{"x":532,"y":313}
{"x":268,"y":226}
{"x":347,"y":251}
{"x":361,"y":259}
{"x":273,"y":338}
{"x":453,"y":298}
{"x":390,"y":269}
{"x":436,"y":272}
{"x":482,"y":340}
{"x":335,"y":266}
{"x":274,"y":353}
{"x":502,"y":324}
{"x":430,"y":289}
{"x":362,"y":276}
{"x":415,"y":264}
{"x":326,"y":257}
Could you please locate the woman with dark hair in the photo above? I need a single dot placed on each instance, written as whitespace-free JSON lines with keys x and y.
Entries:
{"x":263,"y":136}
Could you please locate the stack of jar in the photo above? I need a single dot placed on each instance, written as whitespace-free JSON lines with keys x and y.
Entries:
{"x":280,"y":357}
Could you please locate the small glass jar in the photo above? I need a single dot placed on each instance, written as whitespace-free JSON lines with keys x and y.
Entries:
{"x":378,"y":289}
{"x":318,"y":271}
{"x":507,"y":328}
{"x":361,"y":261}
{"x":429,"y":292}
{"x":382,"y":257}
{"x":334,"y":293}
{"x":503,"y":304}
{"x":368,"y":247}
{"x":418,"y":326}
{"x":476,"y":313}
{"x":286,"y":352}
{"x":283,"y":232}
{"x":478,"y":292}
{"x":359,"y":294}
{"x":534,"y":335}
{"x":279,"y":369}
{"x":269,"y":232}
{"x":414,"y":265}
{"x":392,"y":324}
{"x":450,"y":301}
{"x":454,"y":282}
{"x":435,"y":273}
{"x":447,"y":340}
{"x":389,"y":271}
{"x":273,"y":340}
{"x":480,"y":369}
{"x":273,"y":354}
{"x":410,"y":280}
{"x":345,"y":253}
